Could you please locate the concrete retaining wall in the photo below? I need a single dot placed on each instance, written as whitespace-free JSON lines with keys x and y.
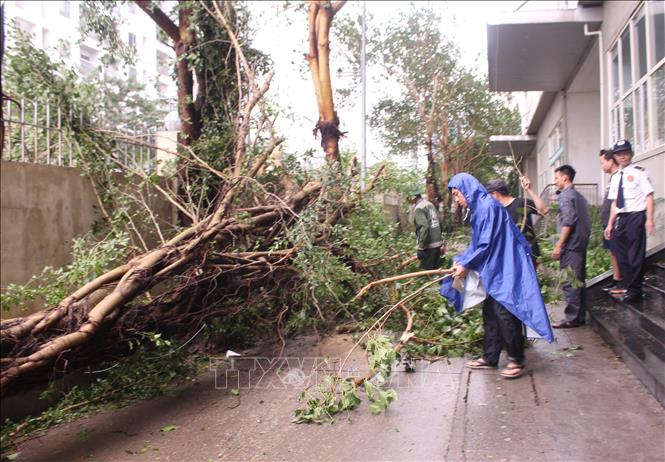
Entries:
{"x":43,"y":208}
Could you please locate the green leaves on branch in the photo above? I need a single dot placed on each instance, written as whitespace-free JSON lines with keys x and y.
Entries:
{"x":90,"y":259}
{"x":331,"y":397}
{"x":336,"y":395}
{"x":380,"y":355}
{"x":380,"y":399}
{"x":149,"y":372}
{"x":99,"y":20}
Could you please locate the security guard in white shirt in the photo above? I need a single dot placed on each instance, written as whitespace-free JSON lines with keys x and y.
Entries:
{"x":631,"y":218}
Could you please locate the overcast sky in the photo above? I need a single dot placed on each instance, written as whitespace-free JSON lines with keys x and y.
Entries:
{"x":283,"y":37}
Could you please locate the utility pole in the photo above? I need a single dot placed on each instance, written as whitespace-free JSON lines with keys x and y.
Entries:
{"x":363,"y":89}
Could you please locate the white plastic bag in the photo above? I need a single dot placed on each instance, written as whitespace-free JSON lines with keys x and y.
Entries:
{"x":472,"y":291}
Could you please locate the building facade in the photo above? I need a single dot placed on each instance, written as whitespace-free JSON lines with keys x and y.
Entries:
{"x":588,"y":75}
{"x":54,"y":26}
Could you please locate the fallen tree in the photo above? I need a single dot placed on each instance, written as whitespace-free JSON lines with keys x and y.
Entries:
{"x":241,"y":251}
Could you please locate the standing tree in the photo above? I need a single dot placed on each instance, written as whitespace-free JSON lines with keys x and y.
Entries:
{"x":321,"y":13}
{"x":184,"y":41}
{"x":443,"y":111}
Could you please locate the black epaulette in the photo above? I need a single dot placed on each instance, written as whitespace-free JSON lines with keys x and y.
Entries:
{"x":640,"y":168}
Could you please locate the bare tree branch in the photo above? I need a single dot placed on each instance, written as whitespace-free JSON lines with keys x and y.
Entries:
{"x":160,"y":18}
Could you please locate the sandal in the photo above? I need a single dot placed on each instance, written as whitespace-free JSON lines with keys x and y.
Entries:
{"x":567,"y":325}
{"x":479,"y":363}
{"x":513,"y":371}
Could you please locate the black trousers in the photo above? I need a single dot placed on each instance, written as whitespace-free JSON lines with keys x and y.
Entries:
{"x":629,"y":243}
{"x":574,"y":291}
{"x":430,"y":259}
{"x":502,"y":330}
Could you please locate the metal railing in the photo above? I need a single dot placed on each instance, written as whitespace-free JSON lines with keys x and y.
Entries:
{"x":37,"y":132}
{"x":588,"y":190}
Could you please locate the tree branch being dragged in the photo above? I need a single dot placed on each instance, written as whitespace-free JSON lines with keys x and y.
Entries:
{"x":337,"y":394}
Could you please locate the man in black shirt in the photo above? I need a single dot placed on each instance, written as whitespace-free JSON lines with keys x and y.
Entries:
{"x":515,"y":206}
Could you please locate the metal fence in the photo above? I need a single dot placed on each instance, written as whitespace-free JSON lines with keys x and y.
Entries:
{"x":588,"y":190}
{"x":38,"y":132}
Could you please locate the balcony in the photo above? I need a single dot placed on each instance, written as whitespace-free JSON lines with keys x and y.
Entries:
{"x":86,"y":67}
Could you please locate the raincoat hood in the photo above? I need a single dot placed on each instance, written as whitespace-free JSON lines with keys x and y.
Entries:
{"x":470,"y":187}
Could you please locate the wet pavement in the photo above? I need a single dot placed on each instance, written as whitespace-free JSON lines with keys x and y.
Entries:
{"x":578,"y":402}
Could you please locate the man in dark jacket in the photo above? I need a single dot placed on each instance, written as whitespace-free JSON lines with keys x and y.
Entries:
{"x":428,"y":233}
{"x":574,"y":227}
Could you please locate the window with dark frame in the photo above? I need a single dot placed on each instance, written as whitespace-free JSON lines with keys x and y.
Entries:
{"x":637,"y":79}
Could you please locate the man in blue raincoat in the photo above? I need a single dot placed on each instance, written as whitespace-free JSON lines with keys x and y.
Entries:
{"x":502,"y":258}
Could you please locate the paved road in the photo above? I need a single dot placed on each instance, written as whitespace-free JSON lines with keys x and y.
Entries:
{"x":574,"y":405}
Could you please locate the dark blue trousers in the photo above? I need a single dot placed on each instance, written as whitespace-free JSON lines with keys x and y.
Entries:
{"x":629,"y":243}
{"x":573,"y":287}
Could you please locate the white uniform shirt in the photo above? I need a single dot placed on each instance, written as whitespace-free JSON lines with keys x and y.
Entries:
{"x":636,"y":187}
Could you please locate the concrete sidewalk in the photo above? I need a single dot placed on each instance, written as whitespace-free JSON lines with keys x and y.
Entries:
{"x":578,"y":402}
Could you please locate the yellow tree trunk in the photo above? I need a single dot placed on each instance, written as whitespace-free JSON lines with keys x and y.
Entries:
{"x":320,"y":17}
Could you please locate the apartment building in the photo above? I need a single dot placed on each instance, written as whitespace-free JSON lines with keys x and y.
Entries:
{"x":54,"y":26}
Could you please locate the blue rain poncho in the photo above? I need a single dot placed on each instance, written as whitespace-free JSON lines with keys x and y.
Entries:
{"x":502,"y":257}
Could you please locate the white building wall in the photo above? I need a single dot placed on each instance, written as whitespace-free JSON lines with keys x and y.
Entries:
{"x":583,"y":123}
{"x":527,"y":102}
{"x":583,"y":133}
{"x":575,"y":114}
{"x":531,"y":169}
{"x":553,"y":117}
{"x":616,"y":16}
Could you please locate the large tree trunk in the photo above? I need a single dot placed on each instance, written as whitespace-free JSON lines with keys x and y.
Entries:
{"x":183,"y":41}
{"x":444,"y":165}
{"x":189,"y":109}
{"x":433,"y":193}
{"x":190,"y":118}
{"x":320,"y":17}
